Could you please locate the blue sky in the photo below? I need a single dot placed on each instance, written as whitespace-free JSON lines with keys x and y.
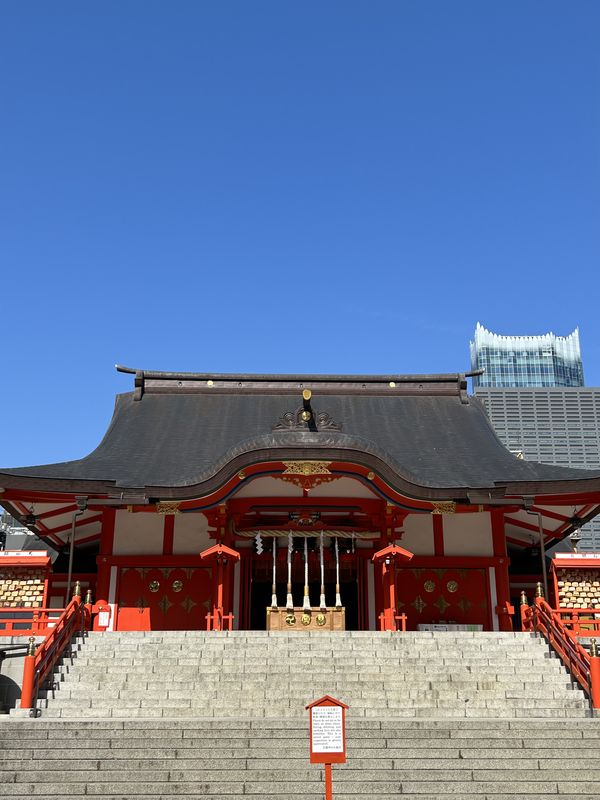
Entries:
{"x":285,"y":187}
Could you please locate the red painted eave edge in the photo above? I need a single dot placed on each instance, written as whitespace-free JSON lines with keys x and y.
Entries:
{"x":593,"y":559}
{"x":24,"y":561}
{"x":326,"y":698}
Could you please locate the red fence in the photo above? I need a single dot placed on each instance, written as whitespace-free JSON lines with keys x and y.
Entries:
{"x":581,"y":621}
{"x":28,"y":621}
{"x":541,"y":618}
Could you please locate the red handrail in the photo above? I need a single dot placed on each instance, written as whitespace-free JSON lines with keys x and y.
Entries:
{"x":38,"y":666}
{"x":542,"y":618}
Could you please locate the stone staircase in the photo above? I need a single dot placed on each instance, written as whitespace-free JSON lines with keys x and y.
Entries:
{"x":230,"y":760}
{"x":261,"y":675}
{"x":209,"y":715}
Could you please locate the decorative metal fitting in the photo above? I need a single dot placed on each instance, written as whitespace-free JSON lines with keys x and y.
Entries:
{"x":524,"y":601}
{"x":539,"y":590}
{"x":88,"y":598}
{"x":77,"y":589}
{"x":306,"y":414}
{"x":593,"y":649}
{"x":31,"y":646}
{"x":444,"y":507}
{"x":168,"y":507}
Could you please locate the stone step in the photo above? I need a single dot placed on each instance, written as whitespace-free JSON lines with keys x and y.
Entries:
{"x":216,"y":676}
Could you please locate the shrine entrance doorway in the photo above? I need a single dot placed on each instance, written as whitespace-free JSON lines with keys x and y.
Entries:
{"x":352,"y":584}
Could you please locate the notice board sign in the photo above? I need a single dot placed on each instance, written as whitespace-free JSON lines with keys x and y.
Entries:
{"x":327,"y":731}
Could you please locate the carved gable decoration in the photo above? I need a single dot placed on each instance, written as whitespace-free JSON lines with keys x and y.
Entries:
{"x":294,"y":421}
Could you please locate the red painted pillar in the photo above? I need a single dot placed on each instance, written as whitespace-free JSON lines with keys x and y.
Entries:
{"x":221,"y":554}
{"x":28,"y":684}
{"x":219,"y":608}
{"x":501,"y":571}
{"x":595,"y":680}
{"x":328,"y":782}
{"x":386,"y":558}
{"x":107,"y":537}
{"x":392,"y":596}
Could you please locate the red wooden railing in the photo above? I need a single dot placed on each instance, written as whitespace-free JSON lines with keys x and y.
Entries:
{"x":219,"y":621}
{"x":388,"y":621}
{"x":28,"y":621}
{"x":541,"y":618}
{"x":581,"y":621}
{"x":39,"y":664}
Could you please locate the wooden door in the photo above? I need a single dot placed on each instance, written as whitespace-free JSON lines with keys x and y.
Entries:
{"x":164,"y":598}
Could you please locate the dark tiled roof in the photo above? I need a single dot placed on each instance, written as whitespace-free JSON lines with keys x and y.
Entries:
{"x":421,"y":433}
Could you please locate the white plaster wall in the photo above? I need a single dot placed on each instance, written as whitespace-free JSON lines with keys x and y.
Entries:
{"x":275,"y":487}
{"x":269,"y":487}
{"x":190,"y":534}
{"x":418,"y":534}
{"x":138,"y":534}
{"x":468,"y":534}
{"x":343,"y":487}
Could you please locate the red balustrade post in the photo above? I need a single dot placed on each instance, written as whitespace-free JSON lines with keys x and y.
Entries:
{"x":595,"y":675}
{"x":88,"y":607}
{"x":28,"y":685}
{"x":525,"y":614}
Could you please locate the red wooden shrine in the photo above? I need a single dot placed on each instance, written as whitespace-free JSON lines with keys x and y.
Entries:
{"x":387,"y":496}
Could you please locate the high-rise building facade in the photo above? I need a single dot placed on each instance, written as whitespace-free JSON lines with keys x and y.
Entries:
{"x":532,"y":389}
{"x":554,"y":426}
{"x":528,"y":361}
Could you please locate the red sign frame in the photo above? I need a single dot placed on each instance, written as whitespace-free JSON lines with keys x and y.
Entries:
{"x":328,"y":758}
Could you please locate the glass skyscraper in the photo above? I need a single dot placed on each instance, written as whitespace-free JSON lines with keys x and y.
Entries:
{"x":528,"y":361}
{"x":532,"y":389}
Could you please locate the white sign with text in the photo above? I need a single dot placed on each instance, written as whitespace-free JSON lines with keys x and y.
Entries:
{"x":327,"y":730}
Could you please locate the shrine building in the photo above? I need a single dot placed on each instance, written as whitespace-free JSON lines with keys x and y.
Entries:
{"x":306,"y":502}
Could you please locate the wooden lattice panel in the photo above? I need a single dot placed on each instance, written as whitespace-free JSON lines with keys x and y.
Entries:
{"x":578,"y":588}
{"x":21,"y":588}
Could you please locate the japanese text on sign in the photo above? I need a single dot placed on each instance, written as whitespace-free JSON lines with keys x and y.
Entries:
{"x":327,"y":730}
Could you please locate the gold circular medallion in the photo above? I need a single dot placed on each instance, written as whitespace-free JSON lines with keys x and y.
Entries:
{"x":429,"y":586}
{"x":305,"y":619}
{"x":320,"y":620}
{"x":177,"y":586}
{"x":452,"y":586}
{"x":154,"y":586}
{"x":290,"y":619}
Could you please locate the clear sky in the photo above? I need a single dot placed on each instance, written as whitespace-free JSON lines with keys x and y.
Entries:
{"x":285,"y":187}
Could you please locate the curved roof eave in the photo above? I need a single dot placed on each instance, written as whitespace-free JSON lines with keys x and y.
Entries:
{"x":182,"y":442}
{"x":370,"y":461}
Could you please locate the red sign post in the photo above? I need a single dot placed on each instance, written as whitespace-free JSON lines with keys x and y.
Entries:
{"x":327,"y":736}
